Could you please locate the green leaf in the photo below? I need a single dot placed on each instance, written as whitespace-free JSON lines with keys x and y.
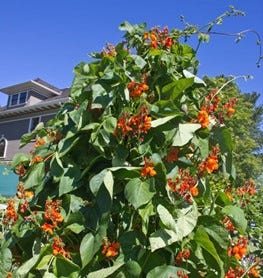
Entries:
{"x":70,"y":180}
{"x":201,"y":237}
{"x":63,"y":267}
{"x":43,"y":264}
{"x":175,"y":89}
{"x":161,"y":121}
{"x":139,"y":61}
{"x":184,"y":134}
{"x":96,"y":181}
{"x":163,"y":238}
{"x":145,"y":212}
{"x":5,"y":261}
{"x":67,"y":143}
{"x":24,"y":269}
{"x":197,"y":80}
{"x":165,"y":271}
{"x":75,"y":228}
{"x":86,"y":249}
{"x":132,"y":269}
{"x":138,"y":192}
{"x":56,"y":166}
{"x":222,"y":135}
{"x":35,"y":175}
{"x":20,"y":158}
{"x":110,"y":124}
{"x":166,"y":218}
{"x":237,"y":215}
{"x":105,"y":272}
{"x":109,"y":182}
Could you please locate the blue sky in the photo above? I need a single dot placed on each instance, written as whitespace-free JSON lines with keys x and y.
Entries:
{"x":48,"y":38}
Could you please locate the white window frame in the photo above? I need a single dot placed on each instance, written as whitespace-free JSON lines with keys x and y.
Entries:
{"x":18,"y":99}
{"x":30,"y":123}
{"x":6,"y":143}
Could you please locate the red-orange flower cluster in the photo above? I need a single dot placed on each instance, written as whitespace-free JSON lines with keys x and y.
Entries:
{"x":249,"y":188}
{"x":11,"y":215}
{"x":184,"y":185}
{"x":159,"y":38}
{"x":254,"y":272}
{"x":134,"y":126}
{"x":228,"y":224}
{"x":148,"y":169}
{"x":203,"y":118}
{"x":52,"y":216}
{"x":20,"y":170}
{"x":172,"y":155}
{"x":36,"y":159}
{"x":182,"y":256}
{"x":235,"y":273}
{"x":211,"y":162}
{"x":136,"y":89}
{"x":58,"y":248}
{"x":109,"y":51}
{"x":182,"y":274}
{"x":110,"y":249}
{"x":39,"y":142}
{"x":239,"y":249}
{"x":229,"y":107}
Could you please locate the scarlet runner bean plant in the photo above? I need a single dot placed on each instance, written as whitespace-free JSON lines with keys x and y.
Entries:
{"x":117,"y":184}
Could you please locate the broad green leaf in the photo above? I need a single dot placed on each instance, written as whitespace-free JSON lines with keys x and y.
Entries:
{"x":222,"y":136}
{"x":219,"y":234}
{"x":197,"y":80}
{"x":70,"y":180}
{"x":145,"y":212}
{"x":139,"y":61}
{"x":203,"y":144}
{"x":163,"y":238}
{"x":5,"y":261}
{"x":237,"y":215}
{"x":132,"y":269}
{"x":96,"y":181}
{"x":186,"y":220}
{"x":184,"y":134}
{"x":63,"y":267}
{"x":165,"y":271}
{"x":110,"y":124}
{"x":35,"y":176}
{"x":201,"y":237}
{"x":24,"y":269}
{"x":43,"y":264}
{"x":109,"y":182}
{"x":20,"y":158}
{"x":67,"y":143}
{"x":138,"y":192}
{"x":105,"y":272}
{"x":166,"y":218}
{"x":161,"y":121}
{"x":75,"y":228}
{"x":86,"y":249}
{"x":56,"y":166}
{"x":175,"y":89}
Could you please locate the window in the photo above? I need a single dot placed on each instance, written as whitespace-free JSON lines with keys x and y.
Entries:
{"x":3,"y":146}
{"x":33,"y":123}
{"x":17,"y":99}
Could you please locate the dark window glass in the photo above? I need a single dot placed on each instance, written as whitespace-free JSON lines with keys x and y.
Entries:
{"x":14,"y":99}
{"x":2,"y":147}
{"x":22,"y":98}
{"x":33,"y":123}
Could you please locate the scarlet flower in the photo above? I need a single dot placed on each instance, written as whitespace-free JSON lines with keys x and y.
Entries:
{"x":254,"y":272}
{"x":228,"y":224}
{"x":183,"y":185}
{"x":20,"y":170}
{"x":172,"y":154}
{"x":148,"y":169}
{"x":203,"y":118}
{"x":48,"y":228}
{"x":10,"y":212}
{"x":182,"y":256}
{"x":136,"y":89}
{"x":39,"y":142}
{"x":211,"y":162}
{"x":182,"y":274}
{"x":36,"y":159}
{"x":238,"y":250}
{"x":58,"y":248}
{"x":235,"y":273}
{"x":111,"y":249}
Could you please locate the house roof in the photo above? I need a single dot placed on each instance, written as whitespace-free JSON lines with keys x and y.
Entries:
{"x":37,"y":84}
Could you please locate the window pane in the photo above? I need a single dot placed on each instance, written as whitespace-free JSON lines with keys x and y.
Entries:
{"x":33,"y":123}
{"x":22,"y":98}
{"x":14,"y":99}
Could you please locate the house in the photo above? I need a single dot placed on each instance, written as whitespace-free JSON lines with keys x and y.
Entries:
{"x":28,"y":104}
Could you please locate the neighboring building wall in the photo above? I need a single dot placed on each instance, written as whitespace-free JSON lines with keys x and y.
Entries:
{"x":12,"y":130}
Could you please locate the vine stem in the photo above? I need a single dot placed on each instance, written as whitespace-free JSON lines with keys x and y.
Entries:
{"x":247,"y":271}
